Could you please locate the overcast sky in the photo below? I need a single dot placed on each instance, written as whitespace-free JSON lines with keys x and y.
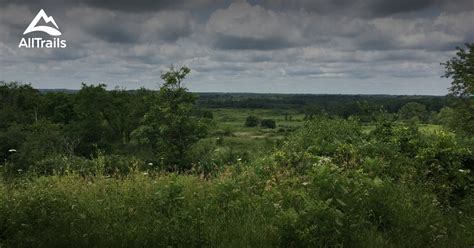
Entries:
{"x":301,"y":46}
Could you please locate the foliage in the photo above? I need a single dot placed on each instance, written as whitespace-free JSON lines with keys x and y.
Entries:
{"x":330,"y":184}
{"x":322,"y":137}
{"x":252,"y":121}
{"x":447,"y":117}
{"x":93,"y":108}
{"x":413,"y":110}
{"x":445,"y":167}
{"x":19,"y":104}
{"x":461,"y":70}
{"x":259,"y":206}
{"x":169,"y":127}
{"x":268,"y":123}
{"x":309,"y":105}
{"x":112,"y":120}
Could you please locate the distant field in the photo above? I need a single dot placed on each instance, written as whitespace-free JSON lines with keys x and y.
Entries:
{"x":235,"y":118}
{"x":229,"y":126}
{"x":230,"y":133}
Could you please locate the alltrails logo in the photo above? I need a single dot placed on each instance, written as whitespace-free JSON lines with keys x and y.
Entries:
{"x":38,"y":42}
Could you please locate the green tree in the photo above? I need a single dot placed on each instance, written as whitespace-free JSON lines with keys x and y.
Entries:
{"x":42,"y":139}
{"x":446,"y":117}
{"x":461,"y":70}
{"x":58,"y":107}
{"x":94,"y":110}
{"x":171,"y":127}
{"x":413,"y":111}
{"x":268,"y":123}
{"x":126,"y":111}
{"x":252,"y":121}
{"x":19,"y":103}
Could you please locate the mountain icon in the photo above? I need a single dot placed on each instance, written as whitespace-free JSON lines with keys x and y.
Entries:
{"x":47,"y":19}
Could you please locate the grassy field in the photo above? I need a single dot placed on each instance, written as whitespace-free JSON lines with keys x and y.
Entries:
{"x":230,"y":133}
{"x":236,"y":117}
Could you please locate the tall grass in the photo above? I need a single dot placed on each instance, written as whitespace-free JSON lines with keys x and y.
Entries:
{"x":258,"y":207}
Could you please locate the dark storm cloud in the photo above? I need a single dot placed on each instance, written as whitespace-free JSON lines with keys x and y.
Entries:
{"x":383,"y":8}
{"x":368,"y":8}
{"x":134,"y":6}
{"x":150,"y":5}
{"x":362,"y":8}
{"x":240,"y":42}
{"x":120,"y":5}
{"x":249,"y":43}
{"x":131,"y":28}
{"x":357,"y":7}
{"x":114,"y":34}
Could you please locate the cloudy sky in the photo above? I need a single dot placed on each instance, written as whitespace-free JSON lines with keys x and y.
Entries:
{"x":300,"y":46}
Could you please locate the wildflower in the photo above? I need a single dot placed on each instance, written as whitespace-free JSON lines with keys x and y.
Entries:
{"x":150,"y":164}
{"x":145,"y":173}
{"x":12,"y":150}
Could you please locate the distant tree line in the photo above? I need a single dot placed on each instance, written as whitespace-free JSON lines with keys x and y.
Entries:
{"x":312,"y":105}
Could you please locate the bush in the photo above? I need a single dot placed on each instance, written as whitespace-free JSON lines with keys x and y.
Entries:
{"x":445,"y":167}
{"x":252,"y":121}
{"x":413,"y":111}
{"x":268,"y":123}
{"x":323,"y":137}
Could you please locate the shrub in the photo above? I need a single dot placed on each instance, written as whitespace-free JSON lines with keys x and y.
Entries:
{"x":323,"y":137}
{"x":268,"y":123}
{"x":252,"y":121}
{"x":445,"y":167}
{"x":413,"y":111}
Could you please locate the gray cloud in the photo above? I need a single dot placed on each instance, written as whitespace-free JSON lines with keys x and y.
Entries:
{"x":138,"y":6}
{"x":369,"y":8}
{"x":383,"y":8}
{"x":123,"y":27}
{"x":249,"y":43}
{"x":341,"y":46}
{"x":243,"y":26}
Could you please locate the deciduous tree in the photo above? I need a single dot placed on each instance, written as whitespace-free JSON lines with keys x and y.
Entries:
{"x":460,"y":69}
{"x":170,"y":126}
